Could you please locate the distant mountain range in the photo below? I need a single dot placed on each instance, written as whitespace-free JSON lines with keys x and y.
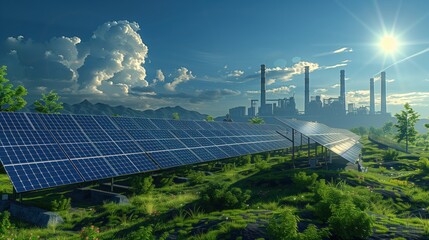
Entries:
{"x":86,"y":107}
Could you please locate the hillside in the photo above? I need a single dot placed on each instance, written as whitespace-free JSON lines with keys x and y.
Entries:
{"x":86,"y":107}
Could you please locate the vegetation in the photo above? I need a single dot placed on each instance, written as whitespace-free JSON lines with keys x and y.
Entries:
{"x":175,"y":116}
{"x":253,"y":196}
{"x":49,"y":103}
{"x":256,"y":120}
{"x":4,"y":222}
{"x":11,"y":99}
{"x":209,"y":118}
{"x":406,"y":120}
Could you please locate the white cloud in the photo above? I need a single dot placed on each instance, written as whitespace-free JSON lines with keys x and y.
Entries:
{"x":159,"y":77}
{"x":184,"y":75}
{"x":344,"y":49}
{"x":390,"y":80}
{"x":335,"y":85}
{"x":346,"y":61}
{"x":414,"y":98}
{"x":115,"y":53}
{"x":236,"y":73}
{"x":283,"y":89}
{"x":271,"y":81}
{"x":320,"y":90}
{"x":286,"y":74}
{"x":335,"y":66}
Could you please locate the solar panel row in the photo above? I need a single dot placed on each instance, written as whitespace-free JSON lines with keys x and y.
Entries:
{"x":40,"y":151}
{"x":340,"y":141}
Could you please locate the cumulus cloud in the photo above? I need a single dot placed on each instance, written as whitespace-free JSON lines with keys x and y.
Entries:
{"x":271,"y":81}
{"x":236,"y":73}
{"x":115,"y":55}
{"x":283,"y":89}
{"x":159,"y":77}
{"x":335,"y":85}
{"x":358,"y":97}
{"x":183,"y":75}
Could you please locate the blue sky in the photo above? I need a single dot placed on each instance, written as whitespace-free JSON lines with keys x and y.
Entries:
{"x":205,"y":55}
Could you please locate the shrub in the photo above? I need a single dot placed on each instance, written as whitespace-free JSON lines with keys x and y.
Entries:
{"x":63,"y":204}
{"x":244,"y":160}
{"x":313,"y":233}
{"x":166,"y":181}
{"x":144,"y":233}
{"x":217,"y":196}
{"x":326,"y":197}
{"x":423,"y":164}
{"x":4,"y":222}
{"x":89,"y":233}
{"x":283,"y":226}
{"x":303,"y":181}
{"x":348,"y":222}
{"x":142,"y":185}
{"x":390,"y":155}
{"x":261,"y":164}
{"x":196,"y":177}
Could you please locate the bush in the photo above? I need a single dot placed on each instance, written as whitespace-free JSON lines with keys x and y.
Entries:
{"x":283,"y":226}
{"x":326,"y":197}
{"x":312,"y":233}
{"x":144,"y":233}
{"x":196,"y":177}
{"x":166,"y":181}
{"x":142,"y":185}
{"x":303,"y":181}
{"x":390,"y":155}
{"x":217,"y":196}
{"x":261,"y":164}
{"x":244,"y":160}
{"x":423,"y":164}
{"x":348,"y":222}
{"x":5,"y":224}
{"x":63,"y":204}
{"x":89,"y":233}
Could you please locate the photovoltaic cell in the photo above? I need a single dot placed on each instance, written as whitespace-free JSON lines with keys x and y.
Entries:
{"x":151,"y":145}
{"x":122,"y":165}
{"x":125,"y":123}
{"x":86,"y":122}
{"x":94,"y":168}
{"x":97,"y":135}
{"x":118,"y":135}
{"x":145,"y":123}
{"x":190,"y":143}
{"x":30,"y":154}
{"x":58,"y":121}
{"x":166,"y":159}
{"x":14,"y":121}
{"x":203,"y":154}
{"x":104,"y":122}
{"x":27,"y":177}
{"x":13,"y":138}
{"x":108,"y":148}
{"x":162,"y":124}
{"x":186,"y":156}
{"x":141,"y":134}
{"x":129,"y":147}
{"x":80,"y":150}
{"x":172,"y":143}
{"x":75,"y":136}
{"x":142,"y":162}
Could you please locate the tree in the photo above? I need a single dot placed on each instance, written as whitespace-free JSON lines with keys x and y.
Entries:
{"x":10,"y":99}
{"x":406,"y":120}
{"x":209,"y":118}
{"x":175,"y":116}
{"x":49,"y":103}
{"x":388,"y":128}
{"x":256,"y":120}
{"x":427,"y":126}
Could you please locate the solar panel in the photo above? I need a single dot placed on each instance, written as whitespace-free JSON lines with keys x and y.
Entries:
{"x":14,"y":121}
{"x":125,"y":123}
{"x":94,"y":168}
{"x":166,"y":159}
{"x":28,"y":177}
{"x":40,"y":151}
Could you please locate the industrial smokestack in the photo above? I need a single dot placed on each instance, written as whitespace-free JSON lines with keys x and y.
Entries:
{"x":307,"y":88}
{"x":263,"y":98}
{"x":371,"y":96}
{"x":343,"y":88}
{"x":383,"y":92}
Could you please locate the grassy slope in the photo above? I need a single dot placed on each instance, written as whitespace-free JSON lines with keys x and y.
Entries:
{"x":175,"y":210}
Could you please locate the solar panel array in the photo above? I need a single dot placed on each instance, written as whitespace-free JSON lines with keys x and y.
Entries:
{"x":340,"y":141}
{"x":41,"y":151}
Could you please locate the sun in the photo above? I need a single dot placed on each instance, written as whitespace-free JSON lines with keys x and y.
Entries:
{"x":389,"y":44}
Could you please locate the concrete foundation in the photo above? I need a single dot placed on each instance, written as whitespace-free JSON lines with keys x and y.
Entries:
{"x":98,"y":196}
{"x":33,"y":215}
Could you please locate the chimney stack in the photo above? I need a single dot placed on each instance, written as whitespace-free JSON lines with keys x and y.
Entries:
{"x":383,"y":92}
{"x":307,"y":88}
{"x":371,"y":96}
{"x":343,"y":89}
{"x":263,"y":98}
